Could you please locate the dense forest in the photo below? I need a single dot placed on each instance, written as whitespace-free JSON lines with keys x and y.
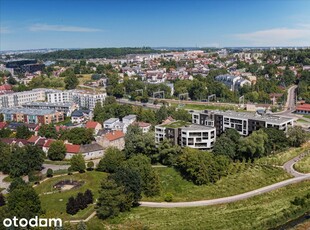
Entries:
{"x":89,"y":53}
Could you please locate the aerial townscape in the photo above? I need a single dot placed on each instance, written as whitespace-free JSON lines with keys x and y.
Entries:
{"x":109,"y":119}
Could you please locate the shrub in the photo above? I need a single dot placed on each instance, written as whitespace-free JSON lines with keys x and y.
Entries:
{"x":168,"y":197}
{"x":49,"y":173}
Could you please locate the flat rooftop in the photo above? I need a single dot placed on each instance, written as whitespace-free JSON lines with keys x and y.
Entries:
{"x":197,"y":127}
{"x":27,"y":111}
{"x":51,"y":104}
{"x":239,"y":115}
{"x":175,"y":124}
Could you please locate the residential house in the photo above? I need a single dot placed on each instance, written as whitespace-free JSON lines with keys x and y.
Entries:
{"x":112,"y":139}
{"x":91,"y":151}
{"x":145,"y":127}
{"x":93,"y":125}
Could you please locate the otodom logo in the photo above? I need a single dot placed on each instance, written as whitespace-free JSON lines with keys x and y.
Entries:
{"x":33,"y":222}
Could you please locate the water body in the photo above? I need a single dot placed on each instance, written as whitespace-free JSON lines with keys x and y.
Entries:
{"x":293,"y":223}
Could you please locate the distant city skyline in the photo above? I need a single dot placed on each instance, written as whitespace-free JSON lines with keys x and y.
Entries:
{"x":35,"y":24}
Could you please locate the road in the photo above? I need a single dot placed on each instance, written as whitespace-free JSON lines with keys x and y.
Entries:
{"x":53,"y":167}
{"x":288,"y":166}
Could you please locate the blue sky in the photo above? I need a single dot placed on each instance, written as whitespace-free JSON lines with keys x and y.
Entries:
{"x":27,"y":24}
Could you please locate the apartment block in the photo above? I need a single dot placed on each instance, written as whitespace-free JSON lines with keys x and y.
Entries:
{"x":31,"y":116}
{"x":186,"y":134}
{"x":66,"y":107}
{"x":244,"y":123}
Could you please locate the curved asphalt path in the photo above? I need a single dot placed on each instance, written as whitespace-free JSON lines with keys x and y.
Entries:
{"x":288,"y":166}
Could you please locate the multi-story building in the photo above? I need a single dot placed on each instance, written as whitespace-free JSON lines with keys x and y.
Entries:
{"x":32,"y":116}
{"x":83,"y":98}
{"x":17,"y":99}
{"x":66,"y":107}
{"x":186,"y":134}
{"x":244,"y":123}
{"x":23,"y":66}
{"x":232,"y":82}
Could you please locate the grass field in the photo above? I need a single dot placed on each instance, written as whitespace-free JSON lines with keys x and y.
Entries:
{"x":55,"y":204}
{"x":182,"y":190}
{"x":282,"y":157}
{"x":260,"y":212}
{"x":303,"y":165}
{"x":302,"y":121}
{"x":306,"y":116}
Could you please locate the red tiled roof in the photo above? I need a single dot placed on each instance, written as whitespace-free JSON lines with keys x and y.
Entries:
{"x":91,"y":124}
{"x":48,"y":143}
{"x":33,"y":139}
{"x":41,"y":142}
{"x":72,"y":148}
{"x":60,"y":127}
{"x":142,"y":124}
{"x":304,"y":107}
{"x":114,"y":135}
{"x":3,"y":125}
{"x":5,"y":87}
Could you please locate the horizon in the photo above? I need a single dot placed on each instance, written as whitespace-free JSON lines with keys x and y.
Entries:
{"x":44,"y":25}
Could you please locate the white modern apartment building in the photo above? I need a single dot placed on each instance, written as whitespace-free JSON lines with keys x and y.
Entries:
{"x":17,"y":99}
{"x":186,"y":134}
{"x":83,"y":98}
{"x":232,"y":82}
{"x":244,"y":123}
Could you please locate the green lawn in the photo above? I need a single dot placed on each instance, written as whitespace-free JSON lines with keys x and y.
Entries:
{"x":55,"y":204}
{"x":282,"y":157}
{"x":260,"y":212}
{"x":306,"y":116}
{"x":302,"y":121}
{"x":303,"y":165}
{"x":182,"y":190}
{"x":176,"y":124}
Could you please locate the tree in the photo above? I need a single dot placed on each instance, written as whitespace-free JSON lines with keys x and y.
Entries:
{"x":77,"y":163}
{"x":201,"y":167}
{"x":5,"y":132}
{"x":132,"y":182}
{"x":81,"y":226}
{"x":81,"y":202}
{"x":111,"y":199}
{"x":232,"y":134}
{"x":296,"y":136}
{"x":149,"y":179}
{"x":90,"y":166}
{"x":161,"y":114}
{"x":71,"y":81}
{"x":23,"y":132}
{"x":5,"y":157}
{"x":48,"y":131}
{"x":71,"y":206}
{"x":24,"y":160}
{"x":88,"y":196}
{"x":277,"y":140}
{"x":78,"y":136}
{"x":16,"y":183}
{"x":111,"y":160}
{"x":225,"y":146}
{"x":136,"y":142}
{"x":2,"y":200}
{"x":253,"y":146}
{"x":57,"y":151}
{"x":168,"y":153}
{"x":49,"y":173}
{"x":23,"y":202}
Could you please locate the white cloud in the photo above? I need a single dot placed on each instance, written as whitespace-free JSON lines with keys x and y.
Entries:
{"x":4,"y":30}
{"x":299,"y":36}
{"x":61,"y":28}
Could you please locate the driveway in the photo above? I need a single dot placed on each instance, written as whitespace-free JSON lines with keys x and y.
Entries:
{"x":54,"y":167}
